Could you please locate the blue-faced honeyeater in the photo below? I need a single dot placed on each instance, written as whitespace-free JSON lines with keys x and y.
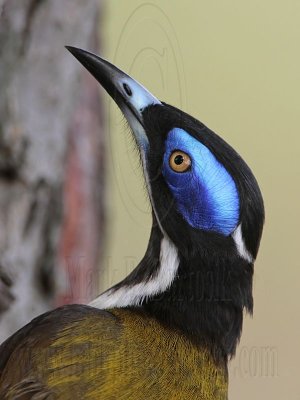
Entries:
{"x":169,"y":328}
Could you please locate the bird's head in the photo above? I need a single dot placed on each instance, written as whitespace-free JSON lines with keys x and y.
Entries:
{"x":207,"y":207}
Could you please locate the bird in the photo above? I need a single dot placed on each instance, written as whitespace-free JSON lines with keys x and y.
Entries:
{"x":169,"y":329}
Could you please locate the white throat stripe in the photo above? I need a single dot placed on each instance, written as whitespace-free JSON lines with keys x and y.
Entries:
{"x":134,"y":295}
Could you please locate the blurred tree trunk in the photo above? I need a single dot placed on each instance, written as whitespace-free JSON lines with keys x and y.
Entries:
{"x":51,"y":159}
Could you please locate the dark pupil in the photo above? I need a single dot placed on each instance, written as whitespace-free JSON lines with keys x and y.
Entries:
{"x":127,"y":89}
{"x":178,"y":159}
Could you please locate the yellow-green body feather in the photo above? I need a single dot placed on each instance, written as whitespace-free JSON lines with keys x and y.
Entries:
{"x":120,"y":354}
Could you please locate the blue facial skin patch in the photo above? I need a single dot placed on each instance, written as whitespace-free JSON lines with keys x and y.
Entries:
{"x":205,"y":195}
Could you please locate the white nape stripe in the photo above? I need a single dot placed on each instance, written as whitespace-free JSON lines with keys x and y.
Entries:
{"x":134,"y":295}
{"x":240,"y":245}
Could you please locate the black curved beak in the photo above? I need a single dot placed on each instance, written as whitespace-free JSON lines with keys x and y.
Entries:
{"x":131,"y":96}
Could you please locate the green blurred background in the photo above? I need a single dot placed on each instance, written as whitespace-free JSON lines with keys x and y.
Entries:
{"x":235,"y":66}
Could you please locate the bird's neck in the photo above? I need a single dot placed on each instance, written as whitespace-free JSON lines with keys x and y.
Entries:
{"x":202,"y":309}
{"x":207,"y":298}
{"x":203,"y":294}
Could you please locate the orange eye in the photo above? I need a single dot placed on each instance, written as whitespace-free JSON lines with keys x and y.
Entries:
{"x":180,"y":161}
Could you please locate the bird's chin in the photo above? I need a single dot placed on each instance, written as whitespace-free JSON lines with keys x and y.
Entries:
{"x":137,"y":129}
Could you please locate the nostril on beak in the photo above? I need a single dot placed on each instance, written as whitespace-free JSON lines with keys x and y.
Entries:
{"x":127,"y":89}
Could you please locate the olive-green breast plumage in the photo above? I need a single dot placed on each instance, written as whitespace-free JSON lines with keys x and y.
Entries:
{"x":80,"y":352}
